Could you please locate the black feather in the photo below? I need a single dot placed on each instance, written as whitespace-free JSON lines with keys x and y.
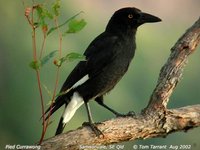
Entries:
{"x":107,"y":60}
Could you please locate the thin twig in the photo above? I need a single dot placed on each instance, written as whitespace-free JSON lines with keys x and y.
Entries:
{"x":57,"y":73}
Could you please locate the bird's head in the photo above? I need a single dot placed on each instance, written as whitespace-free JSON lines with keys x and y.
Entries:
{"x":130,"y":18}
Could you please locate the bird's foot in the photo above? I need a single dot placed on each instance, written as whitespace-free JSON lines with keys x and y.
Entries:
{"x":99,"y":123}
{"x":129,"y":114}
{"x":94,"y":128}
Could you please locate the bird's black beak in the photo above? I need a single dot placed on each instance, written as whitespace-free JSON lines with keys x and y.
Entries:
{"x":148,"y":18}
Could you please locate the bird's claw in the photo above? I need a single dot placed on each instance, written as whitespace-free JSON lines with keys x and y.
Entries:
{"x":94,"y":128}
{"x":129,"y":114}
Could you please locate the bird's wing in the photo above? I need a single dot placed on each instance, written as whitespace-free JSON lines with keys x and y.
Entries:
{"x":98,"y":54}
{"x":77,"y":73}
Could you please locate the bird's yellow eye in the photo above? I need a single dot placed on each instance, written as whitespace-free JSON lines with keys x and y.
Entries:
{"x":130,"y":16}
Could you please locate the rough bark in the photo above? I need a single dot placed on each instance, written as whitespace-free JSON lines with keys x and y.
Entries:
{"x":155,"y":120}
{"x":171,"y":72}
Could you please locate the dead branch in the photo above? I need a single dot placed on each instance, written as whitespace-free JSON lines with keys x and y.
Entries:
{"x":155,"y":120}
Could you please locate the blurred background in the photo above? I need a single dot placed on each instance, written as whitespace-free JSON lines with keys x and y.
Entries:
{"x":20,"y":107}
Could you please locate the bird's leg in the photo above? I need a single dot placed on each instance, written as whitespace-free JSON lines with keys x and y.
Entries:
{"x":90,"y":121}
{"x":110,"y":109}
{"x":99,"y":100}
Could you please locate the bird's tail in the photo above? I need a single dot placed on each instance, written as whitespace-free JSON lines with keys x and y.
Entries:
{"x":60,"y":127}
{"x":72,"y":101}
{"x":60,"y":100}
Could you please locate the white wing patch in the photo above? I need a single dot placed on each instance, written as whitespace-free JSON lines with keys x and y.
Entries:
{"x":75,"y":102}
{"x":81,"y":81}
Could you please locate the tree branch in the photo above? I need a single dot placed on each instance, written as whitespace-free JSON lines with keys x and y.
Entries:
{"x":171,"y":72}
{"x":155,"y":120}
{"x":124,"y":129}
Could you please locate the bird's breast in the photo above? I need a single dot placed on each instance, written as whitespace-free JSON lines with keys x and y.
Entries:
{"x":118,"y":67}
{"x":124,"y":55}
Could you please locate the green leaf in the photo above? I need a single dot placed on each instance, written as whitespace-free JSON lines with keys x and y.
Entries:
{"x":69,"y":58}
{"x":46,"y":58}
{"x":39,"y":63}
{"x":76,"y":25}
{"x":54,"y":28}
{"x":43,"y":14}
{"x":72,"y":56}
{"x":39,"y":11}
{"x":51,"y":30}
{"x":48,"y":14}
{"x":56,"y":7}
{"x":35,"y":65}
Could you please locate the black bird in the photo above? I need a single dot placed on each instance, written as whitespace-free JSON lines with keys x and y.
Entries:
{"x":107,"y":60}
